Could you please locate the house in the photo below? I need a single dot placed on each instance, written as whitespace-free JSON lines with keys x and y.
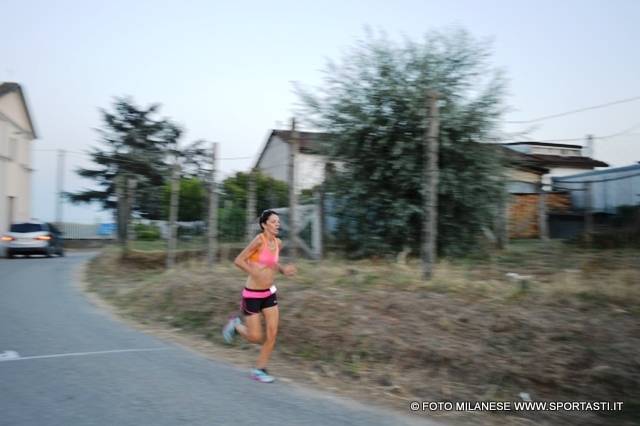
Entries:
{"x":310,"y":164}
{"x":559,"y":159}
{"x":17,"y":134}
{"x":531,"y":166}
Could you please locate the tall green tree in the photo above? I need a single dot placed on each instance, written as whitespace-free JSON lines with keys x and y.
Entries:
{"x":193,"y":197}
{"x":134,"y":143}
{"x":373,"y":105}
{"x":270,"y":193}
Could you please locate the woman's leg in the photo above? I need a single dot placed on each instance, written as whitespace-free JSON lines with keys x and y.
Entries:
{"x":251,"y":330}
{"x":271,"y":316}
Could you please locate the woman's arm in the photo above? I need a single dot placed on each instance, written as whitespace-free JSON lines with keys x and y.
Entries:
{"x":242,"y":260}
{"x":288,"y":270}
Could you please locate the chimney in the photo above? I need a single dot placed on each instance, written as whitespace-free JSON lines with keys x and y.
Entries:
{"x":587,"y":150}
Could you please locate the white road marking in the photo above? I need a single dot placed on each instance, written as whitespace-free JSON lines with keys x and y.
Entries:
{"x":13,"y":356}
{"x":9,"y":355}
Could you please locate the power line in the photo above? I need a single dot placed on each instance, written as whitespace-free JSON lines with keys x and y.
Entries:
{"x":90,"y":154}
{"x":613,"y":135}
{"x":575,"y":111}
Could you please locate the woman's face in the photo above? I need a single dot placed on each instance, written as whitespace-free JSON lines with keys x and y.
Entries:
{"x":272,"y":224}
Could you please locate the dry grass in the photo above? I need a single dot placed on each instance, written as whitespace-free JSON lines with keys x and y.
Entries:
{"x":568,"y":331}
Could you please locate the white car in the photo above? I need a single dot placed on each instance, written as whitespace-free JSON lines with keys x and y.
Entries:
{"x":33,"y":238}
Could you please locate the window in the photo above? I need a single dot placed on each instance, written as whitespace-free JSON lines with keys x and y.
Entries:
{"x":24,"y":228}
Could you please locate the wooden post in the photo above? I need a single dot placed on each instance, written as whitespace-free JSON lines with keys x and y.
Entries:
{"x":318,"y":225}
{"x":121,"y":210}
{"x":588,"y":213}
{"x":293,"y":196}
{"x":251,"y":204}
{"x":132,"y":183}
{"x":212,"y":228}
{"x":60,"y":187}
{"x":542,"y":213}
{"x":502,"y":221}
{"x":173,"y":214}
{"x":430,"y":188}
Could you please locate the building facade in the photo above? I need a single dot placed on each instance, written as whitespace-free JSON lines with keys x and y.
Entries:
{"x":17,"y":134}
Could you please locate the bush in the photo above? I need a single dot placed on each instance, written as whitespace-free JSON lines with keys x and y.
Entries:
{"x":146,"y":232}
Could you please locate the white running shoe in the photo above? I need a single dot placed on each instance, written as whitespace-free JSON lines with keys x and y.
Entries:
{"x":229,"y":330}
{"x":261,"y":375}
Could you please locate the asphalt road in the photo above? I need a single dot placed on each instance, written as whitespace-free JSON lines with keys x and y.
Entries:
{"x":64,"y":362}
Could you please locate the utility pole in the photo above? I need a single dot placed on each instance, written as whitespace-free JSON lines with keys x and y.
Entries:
{"x":132,"y":183}
{"x":122,"y":210}
{"x":251,"y":204}
{"x":173,"y":213}
{"x":212,"y":229}
{"x":430,"y":187}
{"x":60,"y":186}
{"x":293,"y":197}
{"x":542,"y":213}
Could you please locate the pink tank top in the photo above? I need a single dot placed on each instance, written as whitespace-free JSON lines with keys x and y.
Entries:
{"x":264,"y":256}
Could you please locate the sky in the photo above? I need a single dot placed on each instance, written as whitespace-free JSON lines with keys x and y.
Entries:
{"x":225,"y":71}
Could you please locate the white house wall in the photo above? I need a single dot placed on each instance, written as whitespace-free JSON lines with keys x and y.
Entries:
{"x":15,"y":161}
{"x":274,"y":159}
{"x":309,"y":171}
{"x":11,"y":107}
{"x":309,"y":168}
{"x":4,"y":162}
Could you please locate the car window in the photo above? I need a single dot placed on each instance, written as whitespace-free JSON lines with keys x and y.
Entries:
{"x":26,"y":227}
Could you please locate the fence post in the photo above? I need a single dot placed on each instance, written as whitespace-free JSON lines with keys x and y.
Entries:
{"x":132,"y":183}
{"x":212,"y":228}
{"x":293,"y":196}
{"x":542,"y":213}
{"x":173,"y":214}
{"x":430,"y":188}
{"x":318,"y":225}
{"x":588,"y":214}
{"x":251,"y":204}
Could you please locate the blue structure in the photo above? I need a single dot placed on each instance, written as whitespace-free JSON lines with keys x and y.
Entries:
{"x":610,"y":188}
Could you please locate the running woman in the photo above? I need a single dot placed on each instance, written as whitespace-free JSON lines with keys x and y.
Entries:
{"x":260,"y":261}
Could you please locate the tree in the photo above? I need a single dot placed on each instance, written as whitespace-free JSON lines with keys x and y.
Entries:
{"x":135,"y":144}
{"x":270,"y":193}
{"x":192,"y":201}
{"x":373,"y":106}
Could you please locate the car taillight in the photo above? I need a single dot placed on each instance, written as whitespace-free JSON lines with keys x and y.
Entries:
{"x":43,"y":237}
{"x":7,"y":238}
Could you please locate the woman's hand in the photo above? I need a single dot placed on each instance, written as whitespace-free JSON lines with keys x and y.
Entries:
{"x":288,"y":270}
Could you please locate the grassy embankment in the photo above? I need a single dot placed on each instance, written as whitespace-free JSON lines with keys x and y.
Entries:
{"x":568,"y":331}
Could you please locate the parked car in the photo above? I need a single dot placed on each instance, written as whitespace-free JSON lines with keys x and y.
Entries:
{"x":33,"y":238}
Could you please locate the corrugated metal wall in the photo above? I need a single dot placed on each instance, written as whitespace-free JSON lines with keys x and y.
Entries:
{"x":610,"y":189}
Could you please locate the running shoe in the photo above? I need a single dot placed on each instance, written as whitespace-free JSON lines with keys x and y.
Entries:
{"x":229,"y":330}
{"x":261,"y":375}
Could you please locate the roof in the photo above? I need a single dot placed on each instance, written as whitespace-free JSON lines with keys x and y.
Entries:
{"x":9,"y":87}
{"x":555,"y":145}
{"x":569,"y":161}
{"x":522,"y":161}
{"x":632,"y":168}
{"x":308,"y":141}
